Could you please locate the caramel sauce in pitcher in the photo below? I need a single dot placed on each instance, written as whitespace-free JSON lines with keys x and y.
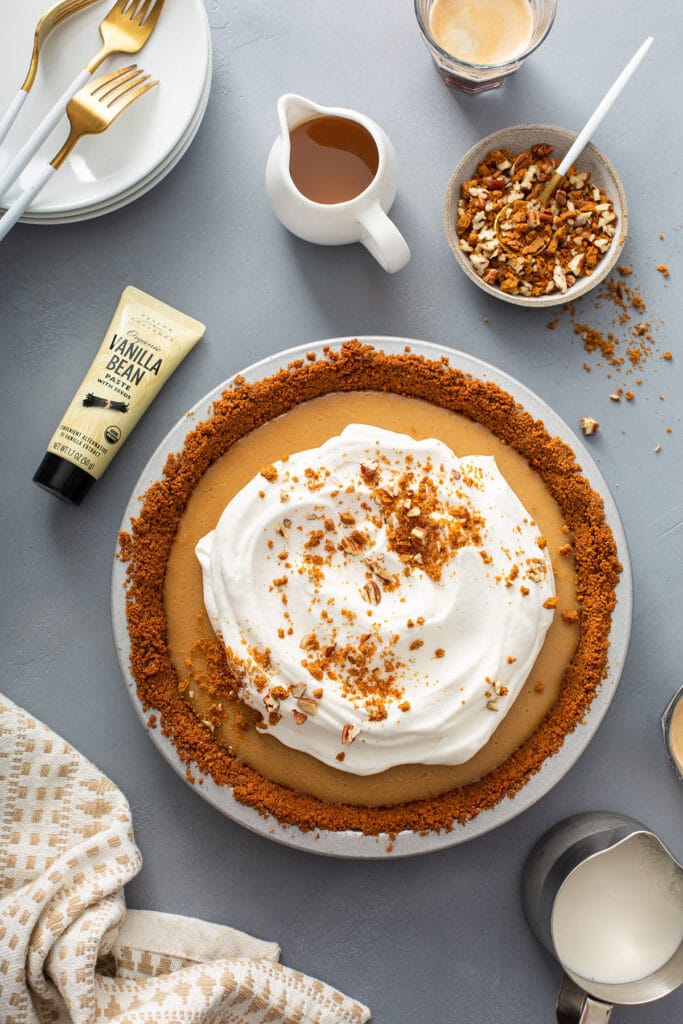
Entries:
{"x":333,"y":159}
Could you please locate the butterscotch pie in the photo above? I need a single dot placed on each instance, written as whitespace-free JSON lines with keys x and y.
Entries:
{"x":370,"y":594}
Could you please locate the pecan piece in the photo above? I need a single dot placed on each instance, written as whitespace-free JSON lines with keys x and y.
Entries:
{"x":349,"y":733}
{"x":371,"y":593}
{"x":308,"y":705}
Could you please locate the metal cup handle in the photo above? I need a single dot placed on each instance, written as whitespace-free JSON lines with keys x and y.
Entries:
{"x":574,"y":1006}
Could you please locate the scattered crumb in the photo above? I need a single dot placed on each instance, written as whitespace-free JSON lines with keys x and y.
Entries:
{"x":663,"y":269}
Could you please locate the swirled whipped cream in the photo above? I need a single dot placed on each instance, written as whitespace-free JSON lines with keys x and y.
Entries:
{"x":380,"y":600}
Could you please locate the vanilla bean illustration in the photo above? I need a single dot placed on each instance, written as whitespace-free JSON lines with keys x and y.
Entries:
{"x":95,"y":402}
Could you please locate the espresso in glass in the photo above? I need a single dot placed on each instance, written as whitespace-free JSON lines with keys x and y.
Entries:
{"x":332,"y":159}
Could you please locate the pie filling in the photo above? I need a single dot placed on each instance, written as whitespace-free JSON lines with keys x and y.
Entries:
{"x":373,"y":607}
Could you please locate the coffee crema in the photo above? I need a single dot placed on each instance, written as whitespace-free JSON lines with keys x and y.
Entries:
{"x":482,"y":31}
{"x":332,"y":159}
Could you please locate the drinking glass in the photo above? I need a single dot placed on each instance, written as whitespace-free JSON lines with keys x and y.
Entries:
{"x":459,"y":74}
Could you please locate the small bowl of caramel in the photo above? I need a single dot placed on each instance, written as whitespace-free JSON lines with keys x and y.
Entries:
{"x":513,"y":247}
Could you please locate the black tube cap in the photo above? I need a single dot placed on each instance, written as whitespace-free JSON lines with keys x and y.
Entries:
{"x":63,"y":479}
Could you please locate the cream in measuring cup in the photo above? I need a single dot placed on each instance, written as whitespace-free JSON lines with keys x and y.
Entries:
{"x":618,"y":917}
{"x":605,"y":897}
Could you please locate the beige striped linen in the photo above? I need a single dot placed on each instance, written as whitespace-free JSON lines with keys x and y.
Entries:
{"x":70,"y":952}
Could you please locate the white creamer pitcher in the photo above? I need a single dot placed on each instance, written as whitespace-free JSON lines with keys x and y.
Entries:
{"x":361,"y":219}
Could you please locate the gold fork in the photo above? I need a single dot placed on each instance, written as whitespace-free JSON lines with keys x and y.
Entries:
{"x":55,"y":16}
{"x":90,"y":112}
{"x":125,"y":29}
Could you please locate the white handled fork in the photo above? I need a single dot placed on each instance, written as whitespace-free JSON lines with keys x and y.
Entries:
{"x":125,"y":29}
{"x":90,"y":111}
{"x":46,"y":23}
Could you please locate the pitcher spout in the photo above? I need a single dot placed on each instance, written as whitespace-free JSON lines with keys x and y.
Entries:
{"x":292,"y":110}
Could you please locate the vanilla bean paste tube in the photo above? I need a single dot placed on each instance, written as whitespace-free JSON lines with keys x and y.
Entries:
{"x":143,"y":345}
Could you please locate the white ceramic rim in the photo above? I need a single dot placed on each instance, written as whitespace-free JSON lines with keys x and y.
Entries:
{"x":130,"y":196}
{"x":177,"y":58}
{"x":503,"y":137}
{"x":352,"y":844}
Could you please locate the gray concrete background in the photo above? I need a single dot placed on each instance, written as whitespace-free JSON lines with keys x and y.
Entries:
{"x":439,"y":938}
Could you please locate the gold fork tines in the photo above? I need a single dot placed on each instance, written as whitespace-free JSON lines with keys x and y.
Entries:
{"x":98,"y":104}
{"x":64,"y":10}
{"x":127,"y":28}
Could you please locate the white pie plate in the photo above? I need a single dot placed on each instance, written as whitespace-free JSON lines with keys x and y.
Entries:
{"x":351,"y":843}
{"x":104,"y":167}
{"x":158,"y":175}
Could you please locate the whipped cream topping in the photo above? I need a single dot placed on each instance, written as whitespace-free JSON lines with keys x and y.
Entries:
{"x":381,"y":601}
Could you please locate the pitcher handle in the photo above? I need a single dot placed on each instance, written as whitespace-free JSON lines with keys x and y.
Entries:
{"x":574,"y":1006}
{"x":382,"y":239}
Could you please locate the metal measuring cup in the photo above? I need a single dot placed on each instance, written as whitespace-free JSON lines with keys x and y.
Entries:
{"x":557,"y":853}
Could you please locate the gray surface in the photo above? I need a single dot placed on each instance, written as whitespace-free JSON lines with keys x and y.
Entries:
{"x":439,"y":938}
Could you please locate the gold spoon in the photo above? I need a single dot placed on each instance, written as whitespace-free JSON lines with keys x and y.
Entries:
{"x":537,"y":206}
{"x":55,"y":16}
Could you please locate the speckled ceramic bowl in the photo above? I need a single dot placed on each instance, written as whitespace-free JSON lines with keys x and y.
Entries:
{"x":518,"y":139}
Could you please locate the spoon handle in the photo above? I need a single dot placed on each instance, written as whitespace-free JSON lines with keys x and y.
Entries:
{"x":595,"y":118}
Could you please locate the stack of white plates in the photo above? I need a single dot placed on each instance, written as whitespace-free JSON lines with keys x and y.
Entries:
{"x":108,"y":171}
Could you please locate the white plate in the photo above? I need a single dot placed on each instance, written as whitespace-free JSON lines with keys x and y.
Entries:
{"x":117,"y":203}
{"x":355,"y":844}
{"x":104,"y":167}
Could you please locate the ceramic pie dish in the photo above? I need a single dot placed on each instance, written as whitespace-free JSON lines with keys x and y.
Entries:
{"x":352,"y":842}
